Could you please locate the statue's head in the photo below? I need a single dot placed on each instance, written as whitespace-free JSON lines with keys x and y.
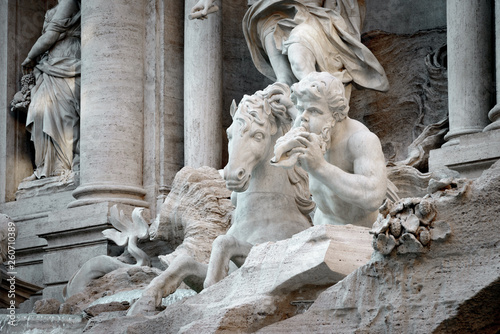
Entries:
{"x":323,"y":86}
{"x":258,"y":121}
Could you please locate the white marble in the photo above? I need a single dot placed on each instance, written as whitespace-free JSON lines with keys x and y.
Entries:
{"x":283,"y":205}
{"x":348,"y":182}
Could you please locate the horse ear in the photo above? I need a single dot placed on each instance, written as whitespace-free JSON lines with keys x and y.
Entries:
{"x":267,"y":107}
{"x":233,"y":108}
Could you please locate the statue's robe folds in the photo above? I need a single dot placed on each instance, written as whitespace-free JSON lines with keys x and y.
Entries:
{"x":54,"y":111}
{"x":331,"y":34}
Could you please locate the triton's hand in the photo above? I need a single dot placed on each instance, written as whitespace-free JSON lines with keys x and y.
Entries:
{"x":311,"y":155}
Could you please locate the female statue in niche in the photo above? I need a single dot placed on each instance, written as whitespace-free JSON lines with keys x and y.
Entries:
{"x":288,"y":39}
{"x":54,"y":113}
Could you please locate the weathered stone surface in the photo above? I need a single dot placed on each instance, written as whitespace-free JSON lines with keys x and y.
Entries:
{"x":97,"y":309}
{"x":43,"y":323}
{"x":409,"y":180}
{"x":409,"y":244}
{"x":411,"y":223}
{"x":260,"y":292}
{"x":384,"y":244}
{"x":47,"y":306}
{"x":440,"y":231}
{"x":39,"y":187}
{"x":453,"y":289}
{"x":400,"y":16}
{"x":415,"y":67}
{"x":120,"y":280}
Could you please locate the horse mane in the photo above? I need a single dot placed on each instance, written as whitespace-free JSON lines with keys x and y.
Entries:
{"x":274,"y":102}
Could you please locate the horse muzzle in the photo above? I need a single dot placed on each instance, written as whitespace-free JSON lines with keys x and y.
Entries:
{"x":237,"y":180}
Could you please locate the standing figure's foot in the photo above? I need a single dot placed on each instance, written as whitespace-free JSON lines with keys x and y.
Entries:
{"x":32,"y":177}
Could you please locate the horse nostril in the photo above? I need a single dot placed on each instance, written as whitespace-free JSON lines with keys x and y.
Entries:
{"x":241,"y":174}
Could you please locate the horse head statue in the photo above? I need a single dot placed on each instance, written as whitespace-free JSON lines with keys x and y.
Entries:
{"x":258,"y":121}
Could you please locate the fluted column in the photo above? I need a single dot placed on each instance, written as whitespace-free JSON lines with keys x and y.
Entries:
{"x":494,"y":114}
{"x":202,"y":90}
{"x":112,"y":102}
{"x":470,"y":69}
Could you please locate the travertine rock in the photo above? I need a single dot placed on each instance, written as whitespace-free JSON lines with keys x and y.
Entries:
{"x":416,"y":68}
{"x":119,"y":280}
{"x":95,"y":310}
{"x":409,"y":244}
{"x":384,"y":243}
{"x":261,"y":291}
{"x":452,"y":289}
{"x":440,"y":231}
{"x":47,"y":306}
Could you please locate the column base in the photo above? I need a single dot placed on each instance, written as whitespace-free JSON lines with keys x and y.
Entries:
{"x":97,"y":193}
{"x":494,"y":116}
{"x":453,"y":136}
{"x":475,"y":153}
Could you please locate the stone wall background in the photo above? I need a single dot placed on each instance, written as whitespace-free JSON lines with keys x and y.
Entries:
{"x":403,"y":16}
{"x":418,"y":96}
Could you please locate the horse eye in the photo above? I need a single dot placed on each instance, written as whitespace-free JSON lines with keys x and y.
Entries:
{"x":258,"y":136}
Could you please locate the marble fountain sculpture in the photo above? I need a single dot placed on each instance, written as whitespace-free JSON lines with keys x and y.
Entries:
{"x":270,"y":204}
{"x":344,"y":160}
{"x":273,"y":203}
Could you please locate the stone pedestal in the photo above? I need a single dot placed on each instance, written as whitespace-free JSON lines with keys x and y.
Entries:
{"x":73,"y":237}
{"x":475,"y":153}
{"x":203,"y":90}
{"x":112,"y":103}
{"x":470,"y":67}
{"x":31,"y":216}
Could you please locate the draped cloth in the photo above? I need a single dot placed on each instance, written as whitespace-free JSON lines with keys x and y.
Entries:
{"x":331,"y":34}
{"x":54,"y":111}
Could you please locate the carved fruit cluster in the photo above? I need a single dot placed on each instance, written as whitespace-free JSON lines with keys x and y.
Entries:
{"x":22,"y":99}
{"x":408,"y":226}
{"x":27,"y":82}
